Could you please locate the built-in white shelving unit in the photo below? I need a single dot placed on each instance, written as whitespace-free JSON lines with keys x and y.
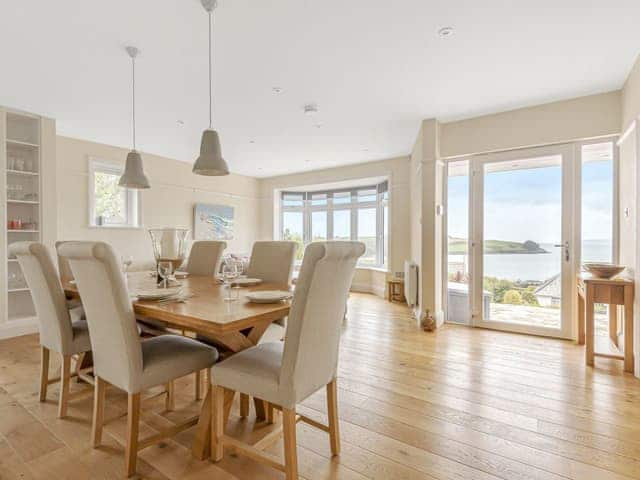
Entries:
{"x":26,"y":142}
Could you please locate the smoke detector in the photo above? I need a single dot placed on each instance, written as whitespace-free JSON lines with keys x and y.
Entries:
{"x":310,"y":109}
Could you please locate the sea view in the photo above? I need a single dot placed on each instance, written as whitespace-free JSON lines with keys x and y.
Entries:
{"x":536,"y":266}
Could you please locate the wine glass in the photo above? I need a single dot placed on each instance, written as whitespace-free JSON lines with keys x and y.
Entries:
{"x":127,"y":261}
{"x":229,"y":272}
{"x":165,"y":269}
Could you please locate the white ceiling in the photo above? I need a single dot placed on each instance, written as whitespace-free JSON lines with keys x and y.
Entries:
{"x":375,"y":68}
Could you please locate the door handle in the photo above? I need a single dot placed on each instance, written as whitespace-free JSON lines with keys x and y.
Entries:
{"x":565,"y":246}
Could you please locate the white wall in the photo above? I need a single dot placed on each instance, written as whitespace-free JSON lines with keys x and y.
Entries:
{"x":169,"y":202}
{"x":558,"y":122}
{"x":397,"y":169}
{"x":628,"y":188}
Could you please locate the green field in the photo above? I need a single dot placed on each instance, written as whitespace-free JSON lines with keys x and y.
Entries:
{"x":458,"y":246}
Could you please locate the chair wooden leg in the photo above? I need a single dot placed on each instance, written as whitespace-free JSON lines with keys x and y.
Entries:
{"x":65,"y":378}
{"x":44,"y":372}
{"x":244,"y":405}
{"x":133,"y":425}
{"x":332,"y":409}
{"x":217,"y":422}
{"x":170,"y":401}
{"x":98,"y":411}
{"x":270,"y":412}
{"x":290,"y":449}
{"x":198,"y":384}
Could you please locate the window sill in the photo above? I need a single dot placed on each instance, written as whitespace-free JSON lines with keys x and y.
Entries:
{"x":118,"y":227}
{"x":372,"y":268}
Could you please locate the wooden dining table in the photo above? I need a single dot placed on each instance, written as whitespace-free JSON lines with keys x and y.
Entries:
{"x":232,"y":325}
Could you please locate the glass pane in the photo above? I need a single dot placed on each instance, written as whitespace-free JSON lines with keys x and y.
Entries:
{"x":522,"y":223}
{"x":110,"y":199}
{"x":597,"y":202}
{"x":318,"y":226}
{"x":368,"y":195}
{"x":292,"y":229}
{"x":342,"y":224}
{"x":367,"y":234}
{"x":292,"y":199}
{"x":385,"y":235}
{"x":458,"y":300}
{"x":318,"y":199}
{"x":341,"y":198}
{"x":597,"y":215}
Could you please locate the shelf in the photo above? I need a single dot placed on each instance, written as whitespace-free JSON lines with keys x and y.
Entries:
{"x":23,"y":172}
{"x":24,"y":144}
{"x":12,"y":260}
{"x":23,"y":231}
{"x":15,"y":290}
{"x":27,"y":202}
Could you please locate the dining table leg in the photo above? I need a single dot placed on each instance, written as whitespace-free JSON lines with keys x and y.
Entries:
{"x":201,"y":448}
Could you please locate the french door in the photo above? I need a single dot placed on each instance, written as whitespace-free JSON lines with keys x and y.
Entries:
{"x":522,"y":236}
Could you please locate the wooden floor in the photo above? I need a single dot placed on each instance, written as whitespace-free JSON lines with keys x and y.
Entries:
{"x":456,"y":404}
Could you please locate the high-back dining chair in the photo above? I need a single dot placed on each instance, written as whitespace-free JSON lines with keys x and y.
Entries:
{"x":66,"y":276}
{"x":284,"y":374}
{"x":120,"y":357}
{"x":272,"y":261}
{"x":205,"y":257}
{"x":58,"y":332}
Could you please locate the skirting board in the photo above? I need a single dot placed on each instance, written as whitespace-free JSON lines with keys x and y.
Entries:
{"x":377,"y":290}
{"x":17,"y":328}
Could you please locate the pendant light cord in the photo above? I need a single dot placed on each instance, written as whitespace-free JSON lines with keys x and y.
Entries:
{"x":133,"y":97}
{"x":210,"y":75}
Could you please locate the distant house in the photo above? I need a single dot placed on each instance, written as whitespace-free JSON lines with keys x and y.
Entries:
{"x":548,"y":293}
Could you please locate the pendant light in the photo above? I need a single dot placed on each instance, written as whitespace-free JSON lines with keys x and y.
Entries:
{"x":210,"y":161}
{"x":133,"y":176}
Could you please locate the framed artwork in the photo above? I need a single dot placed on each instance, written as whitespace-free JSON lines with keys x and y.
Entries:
{"x":212,"y":222}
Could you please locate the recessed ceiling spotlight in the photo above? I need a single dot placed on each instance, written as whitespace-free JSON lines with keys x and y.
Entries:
{"x":445,"y":32}
{"x":252,"y":141}
{"x":180,"y":123}
{"x":365,"y":149}
{"x":277,"y":90}
{"x":308,"y":161}
{"x":310,"y":109}
{"x":318,"y":125}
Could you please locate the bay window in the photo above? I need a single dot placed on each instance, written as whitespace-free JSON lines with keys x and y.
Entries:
{"x":358,"y":213}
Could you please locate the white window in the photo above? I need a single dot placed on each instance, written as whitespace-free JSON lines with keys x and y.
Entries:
{"x":109,"y":204}
{"x":358,"y":213}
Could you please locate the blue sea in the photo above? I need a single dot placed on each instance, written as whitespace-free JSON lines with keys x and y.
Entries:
{"x":539,"y":266}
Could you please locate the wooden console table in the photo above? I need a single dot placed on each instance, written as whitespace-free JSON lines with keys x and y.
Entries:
{"x":613,"y":292}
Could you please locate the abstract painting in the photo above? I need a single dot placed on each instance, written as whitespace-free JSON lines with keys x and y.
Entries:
{"x":212,"y":222}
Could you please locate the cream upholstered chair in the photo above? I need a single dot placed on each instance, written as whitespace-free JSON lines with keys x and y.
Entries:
{"x":205,"y":257}
{"x":272,"y":262}
{"x":284,"y":374}
{"x":120,"y":357}
{"x":58,"y":332}
{"x":66,"y":275}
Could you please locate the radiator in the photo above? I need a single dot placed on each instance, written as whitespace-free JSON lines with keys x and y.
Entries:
{"x":411,"y":282}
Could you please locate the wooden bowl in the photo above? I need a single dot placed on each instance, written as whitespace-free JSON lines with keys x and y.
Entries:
{"x":603,"y":270}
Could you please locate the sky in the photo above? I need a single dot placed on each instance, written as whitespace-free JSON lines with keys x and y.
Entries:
{"x":525,"y":205}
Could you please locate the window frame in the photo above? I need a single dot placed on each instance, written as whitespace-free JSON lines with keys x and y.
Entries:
{"x":307,"y":208}
{"x":133,"y":196}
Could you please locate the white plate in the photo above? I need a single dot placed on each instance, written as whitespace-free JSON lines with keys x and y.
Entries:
{"x":268,"y":296}
{"x":243,"y":282}
{"x":157,"y":293}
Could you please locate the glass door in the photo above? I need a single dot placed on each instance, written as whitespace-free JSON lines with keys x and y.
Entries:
{"x":522,"y":241}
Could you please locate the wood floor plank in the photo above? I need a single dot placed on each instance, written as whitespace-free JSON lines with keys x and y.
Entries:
{"x":455,"y":404}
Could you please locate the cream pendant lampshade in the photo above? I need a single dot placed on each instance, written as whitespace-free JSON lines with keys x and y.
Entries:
{"x":133,"y":176}
{"x":210,"y":161}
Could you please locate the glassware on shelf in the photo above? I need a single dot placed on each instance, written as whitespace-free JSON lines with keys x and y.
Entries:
{"x":19,"y":164}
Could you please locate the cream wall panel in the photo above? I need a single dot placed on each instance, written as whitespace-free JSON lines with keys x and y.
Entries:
{"x":169,"y":202}
{"x":631,"y":96}
{"x":558,"y":122}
